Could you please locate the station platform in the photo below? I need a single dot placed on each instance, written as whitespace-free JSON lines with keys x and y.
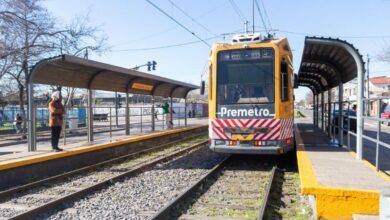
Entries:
{"x":339,"y":185}
{"x":18,"y":168}
{"x":20,"y":150}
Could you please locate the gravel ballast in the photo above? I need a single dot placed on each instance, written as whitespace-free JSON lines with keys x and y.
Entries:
{"x":141,"y":196}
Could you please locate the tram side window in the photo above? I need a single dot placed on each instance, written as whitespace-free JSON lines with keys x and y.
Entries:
{"x":284,"y":82}
{"x":210,"y":81}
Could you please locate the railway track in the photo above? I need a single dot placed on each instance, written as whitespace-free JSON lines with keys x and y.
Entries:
{"x":33,"y":199}
{"x":233,"y":189}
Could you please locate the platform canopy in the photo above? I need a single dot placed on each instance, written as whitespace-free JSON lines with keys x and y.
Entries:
{"x":71,"y":71}
{"x":327,"y":62}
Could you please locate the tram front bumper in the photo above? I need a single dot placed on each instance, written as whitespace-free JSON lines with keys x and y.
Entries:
{"x":251,"y":149}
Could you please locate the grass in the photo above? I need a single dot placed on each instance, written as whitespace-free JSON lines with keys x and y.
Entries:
{"x":7,"y":126}
{"x":10,"y":126}
{"x":298,"y":114}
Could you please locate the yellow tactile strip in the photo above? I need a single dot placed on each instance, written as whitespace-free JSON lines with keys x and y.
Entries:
{"x":85,"y":149}
{"x":334,"y":202}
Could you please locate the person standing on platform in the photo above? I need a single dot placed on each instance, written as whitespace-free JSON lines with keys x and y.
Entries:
{"x":167,"y":114}
{"x":18,"y":123}
{"x":56,"y":112}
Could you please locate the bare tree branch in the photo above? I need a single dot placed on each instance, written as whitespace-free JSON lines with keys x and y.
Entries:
{"x":28,"y":33}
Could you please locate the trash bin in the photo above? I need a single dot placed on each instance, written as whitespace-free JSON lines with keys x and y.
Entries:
{"x":73,"y":124}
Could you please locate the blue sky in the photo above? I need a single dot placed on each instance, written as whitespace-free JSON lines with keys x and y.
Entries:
{"x":132,"y":26}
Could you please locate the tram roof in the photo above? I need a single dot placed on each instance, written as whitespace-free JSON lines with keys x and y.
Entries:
{"x":72,"y":71}
{"x":327,"y":62}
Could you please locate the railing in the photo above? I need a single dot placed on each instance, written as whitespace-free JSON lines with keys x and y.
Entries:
{"x":108,"y":119}
{"x":373,"y":136}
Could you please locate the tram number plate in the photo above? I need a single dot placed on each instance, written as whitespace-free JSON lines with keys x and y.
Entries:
{"x":246,"y":143}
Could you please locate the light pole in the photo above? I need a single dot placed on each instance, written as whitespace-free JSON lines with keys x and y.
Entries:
{"x":150,"y":64}
{"x":368,"y":85}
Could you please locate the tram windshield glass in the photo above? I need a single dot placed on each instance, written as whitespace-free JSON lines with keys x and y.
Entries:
{"x":245,"y":76}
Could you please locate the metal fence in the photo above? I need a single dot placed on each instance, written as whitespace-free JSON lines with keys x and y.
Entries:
{"x":343,"y":131}
{"x":107,"y":121}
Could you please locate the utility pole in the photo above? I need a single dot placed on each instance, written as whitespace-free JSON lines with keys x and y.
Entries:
{"x":253,"y":16}
{"x":116,"y":109}
{"x":368,"y":85}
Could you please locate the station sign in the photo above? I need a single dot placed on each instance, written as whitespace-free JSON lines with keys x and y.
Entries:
{"x":249,"y":54}
{"x":246,"y":111}
{"x":142,"y":86}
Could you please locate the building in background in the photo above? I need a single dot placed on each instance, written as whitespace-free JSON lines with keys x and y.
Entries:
{"x":379,"y":86}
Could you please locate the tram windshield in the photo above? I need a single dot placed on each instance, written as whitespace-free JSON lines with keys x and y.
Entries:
{"x":245,"y":76}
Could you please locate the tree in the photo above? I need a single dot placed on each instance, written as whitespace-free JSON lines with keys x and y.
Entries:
{"x":79,"y":41}
{"x":301,"y":103}
{"x":309,"y":98}
{"x":29,"y":33}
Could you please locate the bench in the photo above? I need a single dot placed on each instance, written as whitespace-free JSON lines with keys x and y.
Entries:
{"x":100,"y":117}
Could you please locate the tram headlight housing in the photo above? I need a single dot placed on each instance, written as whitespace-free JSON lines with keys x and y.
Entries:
{"x":220,"y":142}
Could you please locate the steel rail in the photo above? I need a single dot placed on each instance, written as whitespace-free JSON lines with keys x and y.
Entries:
{"x":4,"y":195}
{"x":79,"y":194}
{"x":164,"y":213}
{"x":267,"y":195}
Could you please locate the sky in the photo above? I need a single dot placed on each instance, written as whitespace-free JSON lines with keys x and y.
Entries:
{"x":135,"y":27}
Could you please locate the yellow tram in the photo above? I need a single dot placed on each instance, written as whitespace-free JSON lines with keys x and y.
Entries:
{"x":250,"y":94}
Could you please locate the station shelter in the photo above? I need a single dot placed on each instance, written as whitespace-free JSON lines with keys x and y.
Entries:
{"x":340,"y":183}
{"x":76,"y":72}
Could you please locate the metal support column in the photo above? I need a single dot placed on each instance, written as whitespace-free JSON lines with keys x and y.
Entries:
{"x":322,"y":111}
{"x":116,"y":108}
{"x":170,"y":112}
{"x":317,"y":106}
{"x":341,"y":121}
{"x":153,"y":122}
{"x":378,"y":135}
{"x":90,"y":116}
{"x":31,"y":119}
{"x":329,"y":112}
{"x":185,"y":111}
{"x":127,"y":115}
{"x":314,"y":109}
{"x":359,"y":113}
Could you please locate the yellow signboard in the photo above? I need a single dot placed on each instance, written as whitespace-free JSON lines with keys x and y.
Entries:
{"x":142,"y":86}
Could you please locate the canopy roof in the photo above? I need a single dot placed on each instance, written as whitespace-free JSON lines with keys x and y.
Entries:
{"x":67,"y":70}
{"x":327,"y":62}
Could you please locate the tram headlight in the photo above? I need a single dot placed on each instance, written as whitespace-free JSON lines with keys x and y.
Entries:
{"x":232,"y":143}
{"x":219,"y":142}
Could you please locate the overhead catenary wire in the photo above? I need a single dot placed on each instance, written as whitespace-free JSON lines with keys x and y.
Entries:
{"x":171,"y":28}
{"x":177,"y":45}
{"x":238,"y":11}
{"x":266,"y":14}
{"x":193,"y":19}
{"x":380,"y":71}
{"x":177,"y":22}
{"x":166,"y":46}
{"x":212,"y":9}
{"x":312,"y":34}
{"x":261,"y":16}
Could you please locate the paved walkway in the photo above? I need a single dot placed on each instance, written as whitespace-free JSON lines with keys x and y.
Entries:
{"x":342,"y":185}
{"x":369,"y":147}
{"x":18,"y":151}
